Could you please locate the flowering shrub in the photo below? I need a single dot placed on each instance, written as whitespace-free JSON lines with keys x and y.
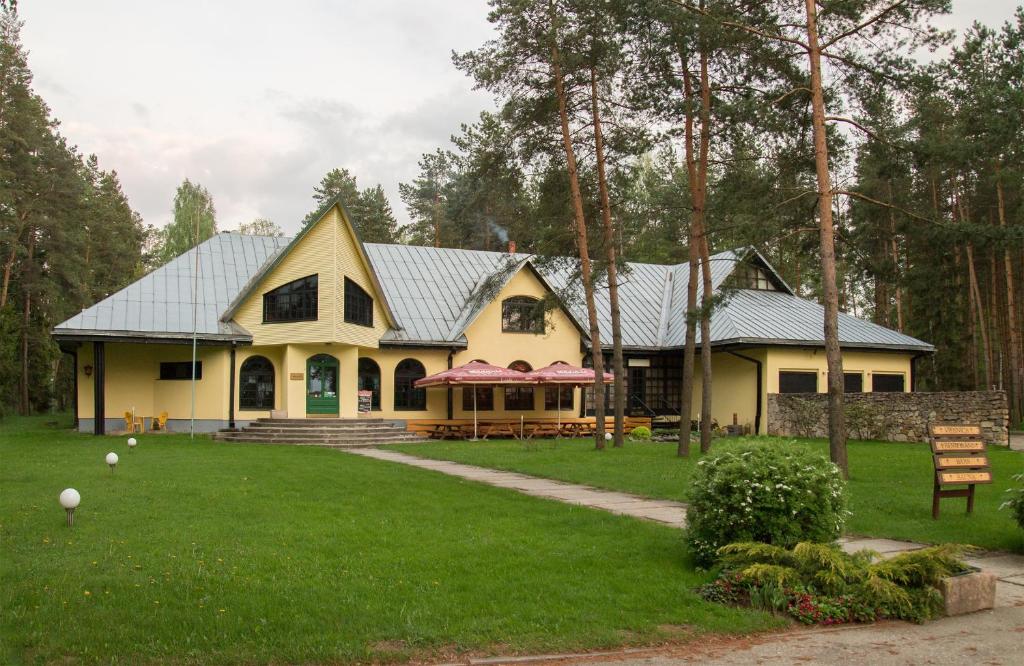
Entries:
{"x":772,"y":493}
{"x":1015,"y":500}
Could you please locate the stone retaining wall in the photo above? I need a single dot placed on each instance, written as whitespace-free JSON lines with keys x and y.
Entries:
{"x":894,"y":417}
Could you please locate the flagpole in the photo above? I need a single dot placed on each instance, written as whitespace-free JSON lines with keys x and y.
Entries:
{"x":195,"y":307}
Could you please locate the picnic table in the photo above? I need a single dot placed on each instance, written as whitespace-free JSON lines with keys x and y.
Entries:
{"x":447,"y":431}
{"x":578,"y":428}
{"x":488,"y":428}
{"x":543,"y":429}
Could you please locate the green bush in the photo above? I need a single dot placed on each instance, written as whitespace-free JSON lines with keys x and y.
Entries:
{"x":640,"y":432}
{"x":770,"y":493}
{"x":1015,"y":500}
{"x":818,"y":583}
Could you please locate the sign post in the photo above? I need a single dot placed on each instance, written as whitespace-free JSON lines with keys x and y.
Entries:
{"x":365,"y":402}
{"x":958,"y":454}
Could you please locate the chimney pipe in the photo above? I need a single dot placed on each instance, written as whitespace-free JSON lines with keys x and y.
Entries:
{"x":511,"y":247}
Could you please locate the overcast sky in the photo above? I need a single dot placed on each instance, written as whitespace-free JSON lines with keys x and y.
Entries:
{"x":258,"y":100}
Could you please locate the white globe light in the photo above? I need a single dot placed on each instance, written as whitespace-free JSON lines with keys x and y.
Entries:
{"x":111,"y":458}
{"x":131,"y":442}
{"x":69,"y":499}
{"x":607,"y":436}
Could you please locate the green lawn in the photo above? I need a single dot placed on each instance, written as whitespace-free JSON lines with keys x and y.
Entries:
{"x":890,"y":485}
{"x":203,"y":552}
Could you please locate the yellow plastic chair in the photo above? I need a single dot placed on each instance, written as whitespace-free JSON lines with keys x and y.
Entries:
{"x":159,"y":422}
{"x":136,"y":424}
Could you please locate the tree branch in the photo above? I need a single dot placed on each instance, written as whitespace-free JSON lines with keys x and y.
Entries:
{"x":857,"y":28}
{"x":853,"y":122}
{"x":791,"y":92}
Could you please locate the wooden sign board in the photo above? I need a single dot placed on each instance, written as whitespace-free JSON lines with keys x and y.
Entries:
{"x":365,"y":402}
{"x":971,"y":477}
{"x":296,"y":376}
{"x":957,"y":446}
{"x":946,"y":430}
{"x":959,"y":460}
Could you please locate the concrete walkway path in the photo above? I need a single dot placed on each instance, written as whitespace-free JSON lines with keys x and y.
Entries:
{"x":1008,"y":568}
{"x":661,"y":511}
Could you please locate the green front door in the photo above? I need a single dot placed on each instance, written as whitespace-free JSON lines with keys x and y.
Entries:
{"x":322,"y":385}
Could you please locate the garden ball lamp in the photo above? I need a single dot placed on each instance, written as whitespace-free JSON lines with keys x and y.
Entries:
{"x":112,"y":461}
{"x":607,"y":437}
{"x":69,"y":499}
{"x":131,"y":443}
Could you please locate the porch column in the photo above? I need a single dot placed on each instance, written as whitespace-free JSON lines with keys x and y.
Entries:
{"x":99,"y":385}
{"x":451,"y":353}
{"x":231,"y":389}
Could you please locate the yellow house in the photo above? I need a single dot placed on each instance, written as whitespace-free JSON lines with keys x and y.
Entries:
{"x":298,"y":327}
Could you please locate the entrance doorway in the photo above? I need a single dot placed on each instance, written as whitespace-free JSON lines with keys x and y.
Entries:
{"x":637,"y":392}
{"x":322,"y":385}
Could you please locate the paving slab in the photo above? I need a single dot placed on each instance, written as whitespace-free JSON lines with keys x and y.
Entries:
{"x":1002,"y":565}
{"x":880,"y":546}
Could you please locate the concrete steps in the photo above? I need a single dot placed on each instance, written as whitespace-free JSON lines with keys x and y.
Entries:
{"x":333,"y":433}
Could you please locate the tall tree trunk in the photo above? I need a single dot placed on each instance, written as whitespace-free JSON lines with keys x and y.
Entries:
{"x":437,"y":219}
{"x":982,"y":327}
{"x":982,"y":324}
{"x":12,"y":257}
{"x":694,"y":253}
{"x":1012,"y":324}
{"x":894,"y":247}
{"x":581,"y":241}
{"x":833,"y":354}
{"x":690,"y":349}
{"x":613,"y":271}
{"x":697,"y":172}
{"x":705,"y":343}
{"x":24,"y":407}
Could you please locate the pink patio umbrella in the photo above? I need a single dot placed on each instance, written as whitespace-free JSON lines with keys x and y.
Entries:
{"x":561,"y":373}
{"x":474,"y":373}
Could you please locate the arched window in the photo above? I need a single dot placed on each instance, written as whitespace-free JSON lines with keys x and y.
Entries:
{"x":484,"y":395}
{"x":519,"y":397}
{"x":358,"y":305}
{"x":256,"y":383}
{"x":295,"y":301}
{"x":558,"y":397}
{"x":406,"y":395}
{"x":369,"y":380}
{"x":521,"y":314}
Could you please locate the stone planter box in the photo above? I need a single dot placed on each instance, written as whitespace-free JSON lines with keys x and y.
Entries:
{"x":968,"y":592}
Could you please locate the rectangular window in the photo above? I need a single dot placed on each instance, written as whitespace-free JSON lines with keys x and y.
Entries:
{"x":358,"y":305}
{"x":853,"y":382}
{"x":484,"y":398}
{"x":180,"y":370}
{"x":886,"y":383}
{"x":295,"y":301}
{"x":519,"y":398}
{"x":552,"y":400}
{"x":798,"y":382}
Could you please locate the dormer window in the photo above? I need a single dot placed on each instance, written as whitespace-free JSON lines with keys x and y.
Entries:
{"x":748,"y":276}
{"x":358,"y":305}
{"x":522,"y":314}
{"x":295,"y":301}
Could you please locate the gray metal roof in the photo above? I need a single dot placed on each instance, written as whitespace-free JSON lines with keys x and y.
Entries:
{"x":160,"y":303}
{"x":430,"y":292}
